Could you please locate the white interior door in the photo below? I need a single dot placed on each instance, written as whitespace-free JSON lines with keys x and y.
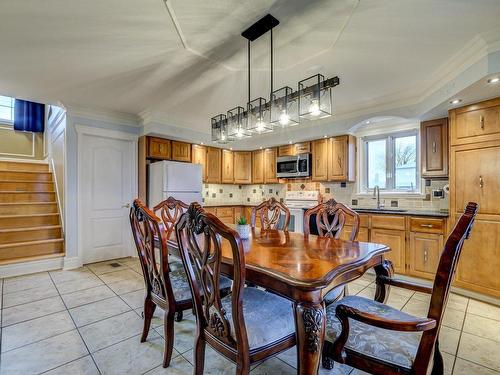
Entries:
{"x":107,"y":188}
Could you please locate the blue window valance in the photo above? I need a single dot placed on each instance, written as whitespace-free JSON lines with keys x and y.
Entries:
{"x":29,"y":116}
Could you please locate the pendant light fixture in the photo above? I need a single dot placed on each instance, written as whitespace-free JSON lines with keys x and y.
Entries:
{"x":286,"y":107}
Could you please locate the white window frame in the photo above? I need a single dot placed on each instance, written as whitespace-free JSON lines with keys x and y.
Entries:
{"x":6,"y":121}
{"x":363,"y":189}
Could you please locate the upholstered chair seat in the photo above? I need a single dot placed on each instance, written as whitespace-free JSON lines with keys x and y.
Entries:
{"x":392,"y":347}
{"x":268,"y":317}
{"x":180,"y":284}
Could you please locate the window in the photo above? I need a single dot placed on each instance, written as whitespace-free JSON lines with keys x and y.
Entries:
{"x":6,"y":109}
{"x":390,"y":162}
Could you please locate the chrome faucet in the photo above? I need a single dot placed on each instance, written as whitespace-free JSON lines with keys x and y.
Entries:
{"x":376,"y":195}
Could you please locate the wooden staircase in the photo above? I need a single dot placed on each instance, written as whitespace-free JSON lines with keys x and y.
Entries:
{"x":30,"y":224}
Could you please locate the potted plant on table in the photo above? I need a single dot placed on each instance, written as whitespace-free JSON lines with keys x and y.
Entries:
{"x":243,"y":228}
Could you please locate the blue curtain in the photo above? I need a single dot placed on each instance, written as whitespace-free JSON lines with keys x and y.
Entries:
{"x":29,"y":116}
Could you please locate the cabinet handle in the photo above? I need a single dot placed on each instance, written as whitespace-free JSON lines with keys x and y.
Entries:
{"x":425,"y":256}
{"x":427,"y":225}
{"x":481,"y":182}
{"x":434,"y":147}
{"x":481,"y":122}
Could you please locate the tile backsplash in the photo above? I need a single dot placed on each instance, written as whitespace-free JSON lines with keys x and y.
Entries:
{"x":215,"y":194}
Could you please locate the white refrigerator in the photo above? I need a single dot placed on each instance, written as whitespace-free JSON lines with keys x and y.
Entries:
{"x":183,"y":181}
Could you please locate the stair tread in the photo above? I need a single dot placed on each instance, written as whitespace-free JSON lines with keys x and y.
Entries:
{"x":37,"y":242}
{"x":29,"y":215}
{"x":26,"y":181}
{"x":30,"y":203}
{"x":32,"y":258}
{"x":18,"y":171}
{"x":25,"y":191}
{"x":10,"y":230}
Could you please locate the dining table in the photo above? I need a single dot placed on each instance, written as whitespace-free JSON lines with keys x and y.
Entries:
{"x":303,"y":269}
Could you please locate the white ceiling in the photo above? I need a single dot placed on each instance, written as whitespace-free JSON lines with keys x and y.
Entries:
{"x":127,"y":55}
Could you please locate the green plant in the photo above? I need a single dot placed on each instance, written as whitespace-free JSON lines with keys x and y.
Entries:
{"x":241,"y":221}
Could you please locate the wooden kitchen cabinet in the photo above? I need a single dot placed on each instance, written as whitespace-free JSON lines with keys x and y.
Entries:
{"x":227,"y":167}
{"x":363,"y":234}
{"x":270,"y":166}
{"x":434,"y":148}
{"x":199,"y":156}
{"x":396,"y":240}
{"x":475,"y":123}
{"x":225,"y":214}
{"x":242,"y":167}
{"x":258,"y":167}
{"x":159,"y":148}
{"x":424,"y":253}
{"x":320,"y":159}
{"x":214,"y":165}
{"x":181,"y":151}
{"x":294,"y":149}
{"x":342,"y":158}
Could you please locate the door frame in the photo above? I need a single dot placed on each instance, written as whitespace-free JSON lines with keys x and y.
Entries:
{"x":81,"y":131}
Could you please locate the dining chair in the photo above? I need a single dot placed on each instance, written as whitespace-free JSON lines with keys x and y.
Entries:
{"x":270,"y":212}
{"x":329,"y":219}
{"x":378,"y":339}
{"x":170,"y":210}
{"x":165,"y":287}
{"x":247,"y":326}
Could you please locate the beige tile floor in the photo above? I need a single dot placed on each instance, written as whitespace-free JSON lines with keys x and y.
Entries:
{"x":88,"y":321}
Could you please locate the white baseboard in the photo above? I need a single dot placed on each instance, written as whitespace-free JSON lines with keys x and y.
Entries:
{"x":72,"y":263}
{"x":34,"y":266}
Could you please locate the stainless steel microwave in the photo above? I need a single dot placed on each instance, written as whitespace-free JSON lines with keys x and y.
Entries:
{"x":293,"y":166}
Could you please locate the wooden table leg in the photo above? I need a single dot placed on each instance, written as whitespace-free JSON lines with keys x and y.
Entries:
{"x":310,"y":323}
{"x":383,"y":269}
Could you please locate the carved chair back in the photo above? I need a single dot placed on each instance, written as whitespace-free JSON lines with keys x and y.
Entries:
{"x":170,"y":211}
{"x":330,"y":219}
{"x":444,"y":276}
{"x":148,"y":232}
{"x":270,"y":212}
{"x":200,"y":236}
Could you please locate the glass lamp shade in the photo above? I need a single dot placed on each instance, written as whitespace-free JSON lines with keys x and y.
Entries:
{"x":219,"y":129}
{"x":237,"y":123}
{"x":284,"y":109}
{"x":258,"y":117}
{"x":315,"y":100}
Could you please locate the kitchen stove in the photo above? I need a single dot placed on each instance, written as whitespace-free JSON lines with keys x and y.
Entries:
{"x":297,"y":202}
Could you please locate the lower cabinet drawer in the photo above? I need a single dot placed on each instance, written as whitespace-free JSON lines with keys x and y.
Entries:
{"x":427,"y":225}
{"x":388,"y":222}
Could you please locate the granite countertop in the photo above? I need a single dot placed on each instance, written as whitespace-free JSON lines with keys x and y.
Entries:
{"x":361,"y":210}
{"x":397,"y":211}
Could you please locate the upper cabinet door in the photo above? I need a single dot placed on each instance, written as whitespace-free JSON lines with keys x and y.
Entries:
{"x":286,"y":150}
{"x":270,"y":166}
{"x":434,"y":148}
{"x":158,"y":148}
{"x":320,"y":159}
{"x":476,"y":123}
{"x":242,"y":167}
{"x":227,"y":167}
{"x":342,"y":158}
{"x":214,"y":162}
{"x":302,"y":148}
{"x":258,"y":167}
{"x":199,"y":156}
{"x":181,"y":151}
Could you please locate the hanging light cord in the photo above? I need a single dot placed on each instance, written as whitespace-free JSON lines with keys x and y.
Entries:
{"x":249,"y":71}
{"x":272,"y":63}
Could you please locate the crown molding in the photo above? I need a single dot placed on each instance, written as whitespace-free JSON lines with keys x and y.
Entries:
{"x":122,"y":118}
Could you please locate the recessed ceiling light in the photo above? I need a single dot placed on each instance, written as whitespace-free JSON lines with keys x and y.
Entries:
{"x":367,"y":122}
{"x":260,"y":147}
{"x":289,"y":142}
{"x":325,"y":136}
{"x":494,"y":80}
{"x":231,"y":148}
{"x":455,"y":101}
{"x":201,"y":143}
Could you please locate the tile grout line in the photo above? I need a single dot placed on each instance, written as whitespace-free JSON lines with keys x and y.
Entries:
{"x":77,"y":330}
{"x":459,"y":337}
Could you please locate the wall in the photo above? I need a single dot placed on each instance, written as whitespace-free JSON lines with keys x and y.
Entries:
{"x":214,"y":194}
{"x":20,"y":145}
